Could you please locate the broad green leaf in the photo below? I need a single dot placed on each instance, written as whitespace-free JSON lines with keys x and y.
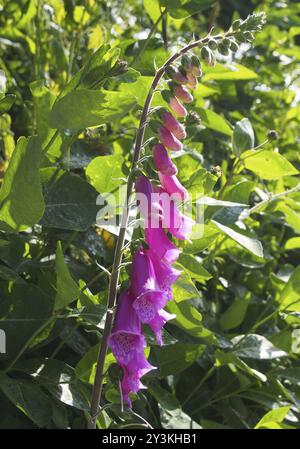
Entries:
{"x":209,"y":235}
{"x":235,"y":314}
{"x":28,"y":397}
{"x":292,"y":243}
{"x":252,"y":245}
{"x":274,"y":416}
{"x":105,"y":173}
{"x":290,"y":295}
{"x":84,"y":108}
{"x":254,"y":346}
{"x":184,"y":288}
{"x":267,"y":164}
{"x":194,"y":268}
{"x":30,"y":312}
{"x":227,"y":358}
{"x":6,"y":103}
{"x":214,"y":121}
{"x":70,"y":202}
{"x":21,"y":199}
{"x":67,"y":289}
{"x":233,"y":72}
{"x":175,"y":358}
{"x":180,"y":9}
{"x":243,"y":137}
{"x":167,"y":400}
{"x":177,"y":419}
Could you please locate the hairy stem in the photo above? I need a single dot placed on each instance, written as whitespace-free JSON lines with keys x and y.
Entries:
{"x":112,"y":295}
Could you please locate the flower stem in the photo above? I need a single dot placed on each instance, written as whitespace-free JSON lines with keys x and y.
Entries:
{"x":112,"y":295}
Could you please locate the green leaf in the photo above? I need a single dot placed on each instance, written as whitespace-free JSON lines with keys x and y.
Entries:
{"x":21,"y":199}
{"x":105,"y":173}
{"x":175,"y":358}
{"x":256,"y":346}
{"x":252,"y":245}
{"x":6,"y":103}
{"x":233,"y":72}
{"x":177,"y":419}
{"x":180,"y":9}
{"x":194,"y":268}
{"x":243,"y":137}
{"x":214,"y":121}
{"x":67,"y":289}
{"x":184,"y":288}
{"x":274,"y":416}
{"x":70,"y":202}
{"x":30,"y":312}
{"x":235,"y":314}
{"x":210,"y":233}
{"x":84,"y":108}
{"x":268,"y":164}
{"x":290,"y":295}
{"x":29,"y":398}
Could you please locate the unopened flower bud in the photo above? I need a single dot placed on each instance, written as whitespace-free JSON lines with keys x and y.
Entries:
{"x":212,"y":43}
{"x":193,"y":119}
{"x":207,"y":55}
{"x":174,"y":104}
{"x":192,"y":81}
{"x":216,"y":170}
{"x":248,"y":36}
{"x":233,"y":46}
{"x":176,"y":76}
{"x":272,"y":134}
{"x":186,"y":63}
{"x":196,"y":66}
{"x":181,"y":93}
{"x":169,"y":140}
{"x":173,"y":125}
{"x":162,"y":161}
{"x":236,"y":24}
{"x":223,"y":49}
{"x":120,"y":68}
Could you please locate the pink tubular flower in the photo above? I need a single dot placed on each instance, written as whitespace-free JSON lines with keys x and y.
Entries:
{"x":149,"y":208}
{"x":162,"y":161}
{"x":180,"y":226}
{"x":148,"y":299}
{"x":161,"y":245}
{"x":177,"y":107}
{"x":169,"y":140}
{"x":192,"y":81}
{"x":172,"y":186}
{"x":157,"y":323}
{"x":182,"y":94}
{"x":173,"y":125}
{"x":137,"y":368}
{"x":126,"y":339}
{"x":165,"y":274}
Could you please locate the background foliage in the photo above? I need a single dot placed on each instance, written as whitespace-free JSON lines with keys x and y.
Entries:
{"x":68,"y":115}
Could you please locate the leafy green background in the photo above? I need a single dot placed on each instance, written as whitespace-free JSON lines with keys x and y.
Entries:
{"x":68,"y":117}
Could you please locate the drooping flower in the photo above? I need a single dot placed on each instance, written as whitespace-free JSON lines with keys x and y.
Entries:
{"x":166,"y":275}
{"x":172,"y":186}
{"x":174,"y":104}
{"x":178,"y":224}
{"x":126,"y":339}
{"x":192,"y":81}
{"x":148,"y":298}
{"x":149,"y":207}
{"x":133,"y":372}
{"x":176,"y":75}
{"x":173,"y":125}
{"x":162,"y":160}
{"x":161,"y":245}
{"x":181,"y":93}
{"x":169,"y":140}
{"x":157,"y":323}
